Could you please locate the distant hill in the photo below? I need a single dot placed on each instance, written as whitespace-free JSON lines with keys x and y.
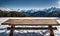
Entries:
{"x":12,"y":14}
{"x":50,"y":12}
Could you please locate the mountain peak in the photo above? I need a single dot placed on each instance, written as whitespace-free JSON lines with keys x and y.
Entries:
{"x":5,"y":9}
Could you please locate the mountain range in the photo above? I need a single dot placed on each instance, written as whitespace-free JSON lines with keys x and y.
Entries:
{"x":50,"y":12}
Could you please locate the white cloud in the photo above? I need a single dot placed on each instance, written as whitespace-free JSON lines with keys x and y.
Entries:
{"x":58,"y":5}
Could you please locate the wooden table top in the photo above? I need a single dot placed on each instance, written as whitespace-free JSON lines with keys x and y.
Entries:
{"x":30,"y":22}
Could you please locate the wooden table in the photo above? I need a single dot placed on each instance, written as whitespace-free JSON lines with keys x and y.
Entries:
{"x":32,"y":22}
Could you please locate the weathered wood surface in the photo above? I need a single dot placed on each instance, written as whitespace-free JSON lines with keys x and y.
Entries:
{"x":30,"y":22}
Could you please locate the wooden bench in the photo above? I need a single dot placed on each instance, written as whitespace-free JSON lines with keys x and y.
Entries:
{"x":31,"y":22}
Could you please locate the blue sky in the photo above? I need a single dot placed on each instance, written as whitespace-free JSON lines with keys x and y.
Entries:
{"x":28,"y":3}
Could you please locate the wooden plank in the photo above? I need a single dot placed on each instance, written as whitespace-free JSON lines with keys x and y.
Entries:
{"x":30,"y":22}
{"x":51,"y":30}
{"x":31,"y":28}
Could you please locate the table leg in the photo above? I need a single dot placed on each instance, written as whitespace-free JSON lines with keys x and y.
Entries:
{"x":51,"y":30}
{"x":11,"y":30}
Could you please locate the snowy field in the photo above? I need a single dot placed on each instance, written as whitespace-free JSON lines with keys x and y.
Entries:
{"x":5,"y":32}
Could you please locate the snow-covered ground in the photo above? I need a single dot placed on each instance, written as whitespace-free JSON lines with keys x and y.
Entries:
{"x":5,"y":32}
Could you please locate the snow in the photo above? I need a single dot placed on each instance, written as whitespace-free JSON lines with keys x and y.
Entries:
{"x":5,"y":32}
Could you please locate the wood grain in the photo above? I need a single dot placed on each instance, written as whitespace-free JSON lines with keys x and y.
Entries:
{"x":30,"y":22}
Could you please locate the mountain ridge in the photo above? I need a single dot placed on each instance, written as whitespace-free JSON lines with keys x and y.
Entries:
{"x":50,"y":12}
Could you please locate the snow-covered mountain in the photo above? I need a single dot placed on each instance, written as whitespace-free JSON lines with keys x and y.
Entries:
{"x":50,"y":12}
{"x":5,"y":9}
{"x":53,"y":11}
